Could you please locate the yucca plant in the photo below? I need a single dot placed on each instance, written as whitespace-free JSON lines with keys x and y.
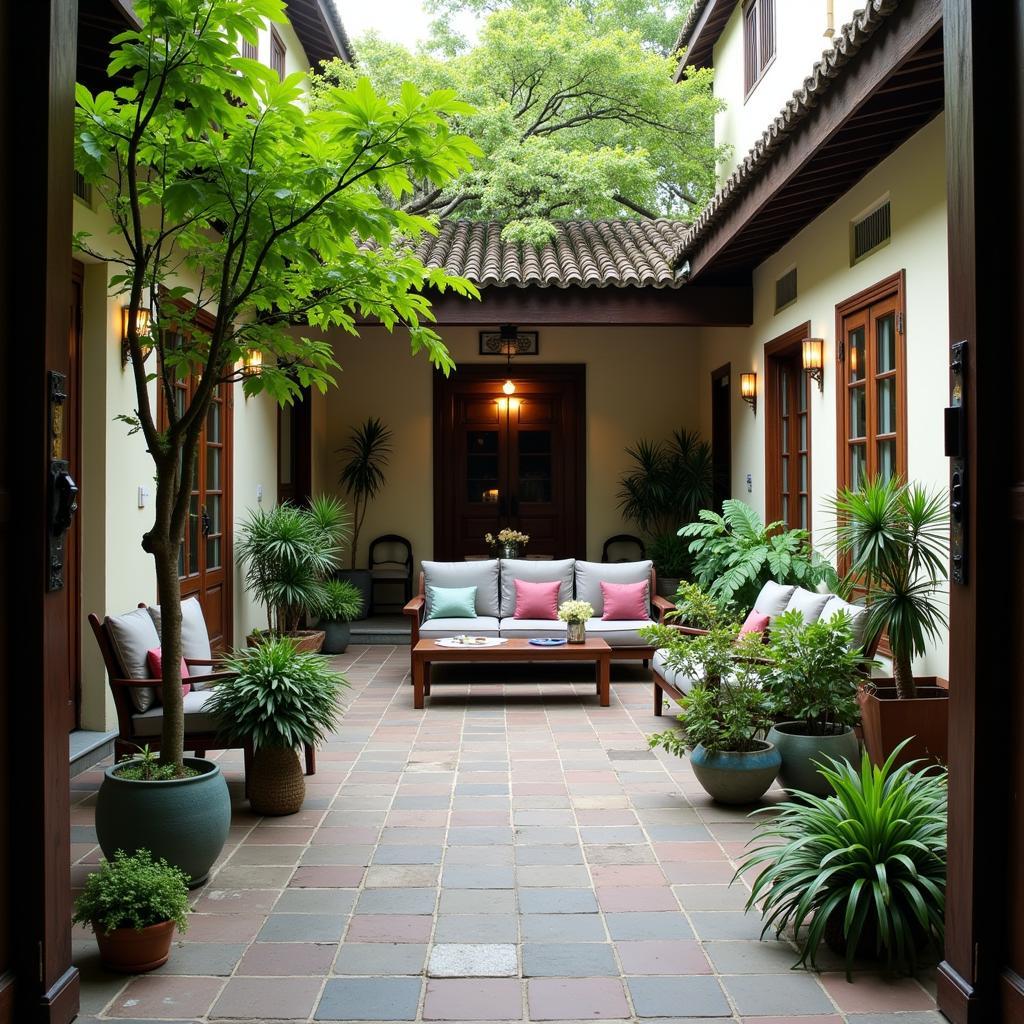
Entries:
{"x":864,"y":868}
{"x":342,"y":601}
{"x":895,"y":536}
{"x":735,"y":554}
{"x":366,"y":452}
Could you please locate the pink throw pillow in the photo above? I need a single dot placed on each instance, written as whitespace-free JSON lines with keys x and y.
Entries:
{"x":536,"y":600}
{"x":155,"y":660}
{"x":625,"y":601}
{"x":755,"y":622}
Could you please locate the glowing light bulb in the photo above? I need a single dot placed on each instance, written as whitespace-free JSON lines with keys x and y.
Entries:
{"x":508,"y":387}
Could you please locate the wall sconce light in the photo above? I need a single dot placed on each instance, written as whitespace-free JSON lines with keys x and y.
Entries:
{"x":142,"y":323}
{"x":252,"y":362}
{"x":814,"y":360}
{"x":748,"y":390}
{"x":509,"y":337}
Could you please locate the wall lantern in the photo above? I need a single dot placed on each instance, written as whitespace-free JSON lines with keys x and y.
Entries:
{"x":142,"y":322}
{"x":814,"y":360}
{"x":748,"y":390}
{"x":252,"y":362}
{"x":509,"y":336}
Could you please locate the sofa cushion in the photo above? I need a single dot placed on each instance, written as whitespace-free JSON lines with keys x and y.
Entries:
{"x":618,"y":632}
{"x":773,"y":599}
{"x":437,"y":629}
{"x":537,"y":600}
{"x":527,"y":629}
{"x":809,"y":603}
{"x":858,"y":617}
{"x":150,"y":723}
{"x":133,"y":636}
{"x":625,"y":600}
{"x":480,"y":574}
{"x":451,"y":602}
{"x":536,"y":571}
{"x":589,"y":576}
{"x":674,"y":677}
{"x":195,"y":638}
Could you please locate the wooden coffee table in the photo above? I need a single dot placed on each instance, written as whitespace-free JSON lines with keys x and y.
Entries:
{"x":429,"y":652}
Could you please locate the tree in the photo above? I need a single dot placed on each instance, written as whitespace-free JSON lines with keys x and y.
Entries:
{"x":575,"y":117}
{"x":214,"y":172}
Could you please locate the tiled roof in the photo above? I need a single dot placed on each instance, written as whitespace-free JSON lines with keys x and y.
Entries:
{"x":689,"y":23}
{"x":847,"y":43}
{"x":589,"y":253}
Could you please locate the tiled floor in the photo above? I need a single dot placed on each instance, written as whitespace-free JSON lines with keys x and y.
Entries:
{"x":508,"y":854}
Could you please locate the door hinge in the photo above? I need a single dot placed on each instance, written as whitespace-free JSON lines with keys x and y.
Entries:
{"x":840,"y":351}
{"x":899,"y":323}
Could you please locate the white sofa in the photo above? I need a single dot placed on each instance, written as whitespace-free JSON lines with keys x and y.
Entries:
{"x":494,"y":580}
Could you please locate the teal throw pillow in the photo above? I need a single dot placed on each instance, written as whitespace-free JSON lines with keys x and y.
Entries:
{"x":452,"y":602}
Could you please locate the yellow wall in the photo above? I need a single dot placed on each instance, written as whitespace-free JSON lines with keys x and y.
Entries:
{"x":640,"y":383}
{"x":914,"y":179}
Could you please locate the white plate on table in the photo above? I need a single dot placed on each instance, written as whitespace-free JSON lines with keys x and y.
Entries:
{"x":472,"y":641}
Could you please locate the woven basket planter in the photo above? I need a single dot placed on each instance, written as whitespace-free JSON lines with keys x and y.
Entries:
{"x":276,"y":783}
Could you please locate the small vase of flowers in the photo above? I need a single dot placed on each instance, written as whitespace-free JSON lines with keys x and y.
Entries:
{"x":575,"y":614}
{"x":508,"y":544}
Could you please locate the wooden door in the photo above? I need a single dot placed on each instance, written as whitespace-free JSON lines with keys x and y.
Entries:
{"x":721,"y":436}
{"x":513,"y":461}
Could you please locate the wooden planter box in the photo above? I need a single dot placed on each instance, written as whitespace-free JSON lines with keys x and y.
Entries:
{"x":887,"y":720}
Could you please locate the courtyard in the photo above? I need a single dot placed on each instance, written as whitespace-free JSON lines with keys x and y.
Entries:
{"x":514,"y":852}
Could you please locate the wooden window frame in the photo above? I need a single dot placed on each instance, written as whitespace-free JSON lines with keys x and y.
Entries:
{"x":783,"y":346}
{"x":755,"y":60}
{"x":277,"y":47}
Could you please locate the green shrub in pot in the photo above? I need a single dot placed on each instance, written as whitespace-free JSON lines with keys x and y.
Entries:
{"x":811,"y":673}
{"x":696,"y":607}
{"x":342,"y":603}
{"x":863,"y":868}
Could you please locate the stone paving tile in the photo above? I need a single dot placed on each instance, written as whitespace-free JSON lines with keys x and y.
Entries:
{"x":505,"y":829}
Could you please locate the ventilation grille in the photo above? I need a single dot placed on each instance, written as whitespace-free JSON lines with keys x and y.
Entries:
{"x":872,"y":231}
{"x":82,"y":188}
{"x":785,"y":290}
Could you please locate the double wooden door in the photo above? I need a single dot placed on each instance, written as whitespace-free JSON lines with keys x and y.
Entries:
{"x":509,"y":460}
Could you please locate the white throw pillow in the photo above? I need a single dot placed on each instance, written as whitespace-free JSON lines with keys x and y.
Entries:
{"x":132,"y":636}
{"x":809,"y":603}
{"x":858,"y":617}
{"x":773,"y":599}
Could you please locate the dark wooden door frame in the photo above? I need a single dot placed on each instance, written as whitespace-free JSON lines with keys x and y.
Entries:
{"x":784,"y":345}
{"x":574,"y":373}
{"x":984,"y":47}
{"x":719,"y":443}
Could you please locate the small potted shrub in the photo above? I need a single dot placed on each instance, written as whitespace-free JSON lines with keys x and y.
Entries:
{"x":279,"y":699}
{"x":133,"y":904}
{"x":575,"y":615}
{"x":863,"y":868}
{"x":724,"y":717}
{"x":341,"y":604}
{"x":811,"y":674}
{"x":288,"y":553}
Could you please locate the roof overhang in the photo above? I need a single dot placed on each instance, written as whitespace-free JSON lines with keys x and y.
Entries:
{"x":849,"y":118}
{"x":319,"y":28}
{"x":701,"y":30}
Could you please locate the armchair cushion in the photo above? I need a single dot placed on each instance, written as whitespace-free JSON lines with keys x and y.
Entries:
{"x":451,"y":602}
{"x":195,"y":638}
{"x":535,"y":571}
{"x":773,"y":599}
{"x":133,"y":636}
{"x":150,"y":722}
{"x":858,"y":617}
{"x":674,"y":677}
{"x":437,"y":629}
{"x":809,"y":603}
{"x":590,"y":575}
{"x":483,"y":575}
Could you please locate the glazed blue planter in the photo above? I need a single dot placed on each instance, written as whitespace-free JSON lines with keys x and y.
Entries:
{"x":735,"y":776}
{"x":184,"y":821}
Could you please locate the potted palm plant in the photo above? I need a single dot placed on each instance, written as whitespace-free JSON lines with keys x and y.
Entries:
{"x":811,"y":674}
{"x":364,"y":456}
{"x":133,"y":905}
{"x":895,"y":538}
{"x":279,"y":699}
{"x":288,"y":553}
{"x":342,"y":603}
{"x":724,"y":717}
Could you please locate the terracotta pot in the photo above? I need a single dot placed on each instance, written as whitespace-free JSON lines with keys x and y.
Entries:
{"x":889,"y":720}
{"x":134,"y":952}
{"x":275,"y":782}
{"x":307,"y":641}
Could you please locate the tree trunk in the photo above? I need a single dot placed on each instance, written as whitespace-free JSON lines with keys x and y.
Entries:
{"x":903,"y":676}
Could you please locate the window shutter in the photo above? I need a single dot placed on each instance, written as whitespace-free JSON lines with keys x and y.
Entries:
{"x":750,"y":47}
{"x":872,"y":231}
{"x":785,"y":289}
{"x":766,"y":12}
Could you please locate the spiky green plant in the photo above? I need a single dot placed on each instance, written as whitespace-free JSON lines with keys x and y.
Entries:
{"x":735,"y":554}
{"x":367,"y":451}
{"x":343,"y":601}
{"x":867,"y":863}
{"x":277,"y":696}
{"x":896,"y":538}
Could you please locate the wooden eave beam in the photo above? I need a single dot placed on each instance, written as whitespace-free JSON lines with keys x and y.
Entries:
{"x":701,"y":45}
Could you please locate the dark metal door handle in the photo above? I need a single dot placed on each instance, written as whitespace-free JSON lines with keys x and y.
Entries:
{"x":205,"y":522}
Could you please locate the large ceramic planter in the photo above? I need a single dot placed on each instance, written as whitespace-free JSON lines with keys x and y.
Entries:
{"x":183,"y":821}
{"x":362,"y":581}
{"x":336,"y":636}
{"x":276,"y":784}
{"x":131,"y":951}
{"x":667,"y":586}
{"x":736,"y":777}
{"x":888,"y":721}
{"x":307,"y":641}
{"x":799,"y":753}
